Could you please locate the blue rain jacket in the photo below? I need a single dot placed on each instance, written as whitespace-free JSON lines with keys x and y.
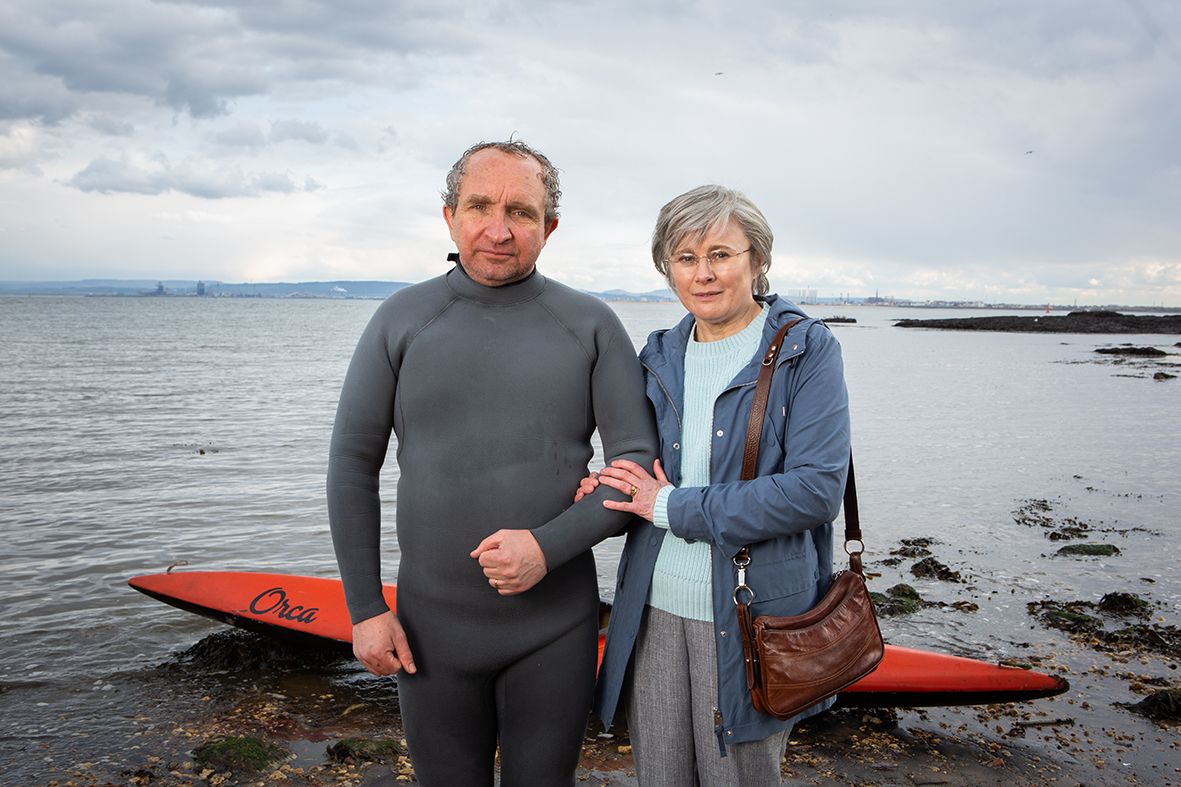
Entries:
{"x":785,"y":514}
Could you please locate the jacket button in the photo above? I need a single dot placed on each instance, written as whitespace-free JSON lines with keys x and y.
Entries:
{"x":720,"y":433}
{"x":723,"y":633}
{"x":676,"y":446}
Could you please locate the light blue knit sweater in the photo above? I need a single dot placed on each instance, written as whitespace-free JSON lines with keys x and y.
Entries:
{"x":681,"y":579}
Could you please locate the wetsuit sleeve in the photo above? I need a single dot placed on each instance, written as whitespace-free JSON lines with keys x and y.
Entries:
{"x":808,"y":491}
{"x":627,"y":429}
{"x":360,"y":438}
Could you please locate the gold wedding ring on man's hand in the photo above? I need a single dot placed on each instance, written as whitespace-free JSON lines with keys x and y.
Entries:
{"x":633,"y":491}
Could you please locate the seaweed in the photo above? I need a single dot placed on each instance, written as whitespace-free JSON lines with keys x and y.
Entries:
{"x":901,"y":599}
{"x":1090,"y":620}
{"x":1162,"y":705}
{"x":930,"y":568}
{"x":239,"y":754}
{"x":365,"y":750}
{"x":1089,"y":550}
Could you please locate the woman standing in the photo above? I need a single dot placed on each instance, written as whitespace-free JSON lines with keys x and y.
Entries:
{"x":674,"y":620}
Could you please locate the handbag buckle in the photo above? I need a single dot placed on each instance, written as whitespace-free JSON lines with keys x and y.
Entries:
{"x":855,"y":555}
{"x":741,"y":561}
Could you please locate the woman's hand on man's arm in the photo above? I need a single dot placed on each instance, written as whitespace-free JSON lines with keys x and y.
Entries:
{"x":635,"y":482}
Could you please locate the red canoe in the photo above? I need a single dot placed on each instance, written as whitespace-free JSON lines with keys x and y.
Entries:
{"x":314,"y":607}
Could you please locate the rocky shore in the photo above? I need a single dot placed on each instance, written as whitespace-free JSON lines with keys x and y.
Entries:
{"x":275,"y":714}
{"x":1074,"y":322}
{"x":237,"y":708}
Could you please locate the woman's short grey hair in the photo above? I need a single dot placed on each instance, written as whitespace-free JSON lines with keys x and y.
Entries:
{"x":549,"y":174}
{"x":696,"y":212}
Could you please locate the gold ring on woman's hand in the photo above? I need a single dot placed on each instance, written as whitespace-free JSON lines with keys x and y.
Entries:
{"x":633,"y":491}
{"x":496,"y":583}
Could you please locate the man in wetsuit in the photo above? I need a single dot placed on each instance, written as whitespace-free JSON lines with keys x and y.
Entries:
{"x":493,"y":378}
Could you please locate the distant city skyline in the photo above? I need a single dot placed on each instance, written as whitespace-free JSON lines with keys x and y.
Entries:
{"x":995,"y":151}
{"x":377,"y":288}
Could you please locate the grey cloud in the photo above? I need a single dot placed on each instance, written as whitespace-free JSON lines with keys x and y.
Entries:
{"x":1161,"y":38}
{"x":17,"y":104}
{"x":200,"y":57}
{"x":111,"y":126}
{"x":150,"y":50}
{"x":182,"y":94}
{"x":26,"y":95}
{"x":247,"y":135}
{"x":108,"y":176}
{"x":209,"y":94}
{"x":403,"y":25}
{"x":243,"y":135}
{"x":284,"y":130}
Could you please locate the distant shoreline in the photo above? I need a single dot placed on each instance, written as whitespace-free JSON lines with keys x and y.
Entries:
{"x":380,"y":290}
{"x":339,"y":290}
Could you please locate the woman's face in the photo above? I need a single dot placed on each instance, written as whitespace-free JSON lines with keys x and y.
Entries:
{"x":718,"y":293}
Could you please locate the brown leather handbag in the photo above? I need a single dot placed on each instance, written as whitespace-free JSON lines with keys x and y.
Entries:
{"x":794,"y":662}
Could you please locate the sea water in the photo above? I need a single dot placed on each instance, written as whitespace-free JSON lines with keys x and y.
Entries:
{"x":138,"y":433}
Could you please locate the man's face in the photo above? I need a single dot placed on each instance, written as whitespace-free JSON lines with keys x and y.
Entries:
{"x":499,"y":221}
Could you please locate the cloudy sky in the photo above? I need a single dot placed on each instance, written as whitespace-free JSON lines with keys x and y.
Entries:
{"x":995,"y":150}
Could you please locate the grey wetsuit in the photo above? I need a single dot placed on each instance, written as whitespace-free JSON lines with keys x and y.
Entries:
{"x":493,"y":394}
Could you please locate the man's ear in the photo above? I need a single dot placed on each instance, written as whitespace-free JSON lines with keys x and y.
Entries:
{"x":553,"y":225}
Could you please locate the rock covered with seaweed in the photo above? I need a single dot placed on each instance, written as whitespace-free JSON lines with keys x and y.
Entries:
{"x":1074,"y":322}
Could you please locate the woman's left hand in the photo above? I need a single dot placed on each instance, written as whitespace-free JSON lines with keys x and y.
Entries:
{"x":635,"y":482}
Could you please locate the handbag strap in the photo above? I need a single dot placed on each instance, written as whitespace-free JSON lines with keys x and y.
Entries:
{"x":750,"y":456}
{"x":758,"y":408}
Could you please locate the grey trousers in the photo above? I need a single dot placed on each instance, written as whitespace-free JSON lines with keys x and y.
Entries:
{"x":671,"y":712}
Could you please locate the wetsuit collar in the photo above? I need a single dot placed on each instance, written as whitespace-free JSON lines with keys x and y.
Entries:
{"x":526,"y":289}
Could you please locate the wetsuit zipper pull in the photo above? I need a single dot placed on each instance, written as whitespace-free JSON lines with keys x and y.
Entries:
{"x":719,"y":732}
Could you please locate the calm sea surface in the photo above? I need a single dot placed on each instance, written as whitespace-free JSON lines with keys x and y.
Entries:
{"x":140,"y":432}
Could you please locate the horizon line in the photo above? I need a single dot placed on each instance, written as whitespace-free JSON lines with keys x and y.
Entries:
{"x":852,"y":300}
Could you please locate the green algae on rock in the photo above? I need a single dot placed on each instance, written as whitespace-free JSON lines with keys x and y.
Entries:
{"x":1142,"y":352}
{"x":1120,"y":603}
{"x":930,"y":568}
{"x":239,"y":754}
{"x":1075,"y":618}
{"x":1089,"y":550}
{"x":901,"y":599}
{"x":365,"y":750}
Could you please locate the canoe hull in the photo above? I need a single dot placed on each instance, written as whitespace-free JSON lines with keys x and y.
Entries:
{"x":273,"y":603}
{"x":314,"y":608}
